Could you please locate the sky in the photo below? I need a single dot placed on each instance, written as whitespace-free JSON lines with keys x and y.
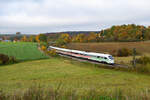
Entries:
{"x":41,"y":16}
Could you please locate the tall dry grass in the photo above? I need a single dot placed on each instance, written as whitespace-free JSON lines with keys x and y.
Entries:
{"x":39,"y":93}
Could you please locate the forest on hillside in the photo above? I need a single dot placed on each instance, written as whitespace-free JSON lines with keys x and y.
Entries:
{"x":129,"y":32}
{"x":120,"y":33}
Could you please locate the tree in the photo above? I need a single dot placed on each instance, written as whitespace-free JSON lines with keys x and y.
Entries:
{"x":79,"y":38}
{"x":24,"y":39}
{"x":32,"y":38}
{"x":43,"y":48}
{"x":92,"y":37}
{"x":43,"y":37}
{"x":63,"y":39}
{"x":18,"y":33}
{"x":37,"y":38}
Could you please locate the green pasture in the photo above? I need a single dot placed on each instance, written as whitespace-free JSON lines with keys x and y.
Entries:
{"x":71,"y":75}
{"x":21,"y":50}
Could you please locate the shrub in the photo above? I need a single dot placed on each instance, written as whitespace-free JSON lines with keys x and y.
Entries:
{"x":52,"y":52}
{"x":43,"y":48}
{"x":60,"y":42}
{"x":124,"y":52}
{"x":43,"y":44}
{"x":12,"y":60}
{"x":143,"y":68}
{"x":114,"y":52}
{"x":143,"y":60}
{"x":4,"y":58}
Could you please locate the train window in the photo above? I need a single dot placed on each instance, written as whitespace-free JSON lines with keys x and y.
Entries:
{"x":99,"y":57}
{"x":110,"y":57}
{"x":105,"y":58}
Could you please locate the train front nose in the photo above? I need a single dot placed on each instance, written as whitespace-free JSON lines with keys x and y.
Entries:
{"x":112,"y":62}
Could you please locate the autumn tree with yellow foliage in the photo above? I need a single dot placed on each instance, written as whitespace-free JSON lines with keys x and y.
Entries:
{"x":31,"y":38}
{"x":79,"y":38}
{"x":92,"y":37}
{"x":63,"y":39}
{"x":24,"y":39}
{"x":66,"y":37}
{"x":41,"y":38}
{"x":37,"y":38}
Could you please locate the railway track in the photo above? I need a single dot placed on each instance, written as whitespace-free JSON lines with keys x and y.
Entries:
{"x":94,"y":62}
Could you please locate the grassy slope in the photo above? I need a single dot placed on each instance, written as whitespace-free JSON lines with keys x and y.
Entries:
{"x":21,"y":50}
{"x":72,"y":74}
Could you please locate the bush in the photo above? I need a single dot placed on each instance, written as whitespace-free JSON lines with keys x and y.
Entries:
{"x":52,"y":52}
{"x":12,"y":60}
{"x":43,"y":48}
{"x":43,"y":44}
{"x":143,"y":68}
{"x":5,"y":59}
{"x":143,"y":60}
{"x":60,"y":42}
{"x":124,"y":52}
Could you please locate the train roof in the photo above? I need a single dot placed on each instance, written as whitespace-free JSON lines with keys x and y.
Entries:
{"x":67,"y":50}
{"x":77,"y":51}
{"x":98,"y":54}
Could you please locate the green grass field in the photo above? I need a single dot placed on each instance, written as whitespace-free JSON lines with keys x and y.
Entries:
{"x":71,"y":74}
{"x":21,"y":50}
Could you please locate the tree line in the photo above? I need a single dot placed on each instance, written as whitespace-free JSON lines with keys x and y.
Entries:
{"x":126,"y":33}
{"x":130,"y":32}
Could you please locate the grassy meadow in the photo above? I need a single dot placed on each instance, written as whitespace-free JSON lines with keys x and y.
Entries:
{"x":71,"y":74}
{"x":21,"y":50}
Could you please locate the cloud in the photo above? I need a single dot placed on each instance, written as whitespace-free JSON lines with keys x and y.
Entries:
{"x":35,"y":16}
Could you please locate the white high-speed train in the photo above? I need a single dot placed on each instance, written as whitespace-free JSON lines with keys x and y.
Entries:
{"x":103,"y":58}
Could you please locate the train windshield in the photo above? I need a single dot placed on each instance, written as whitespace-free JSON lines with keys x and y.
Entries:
{"x":110,"y":57}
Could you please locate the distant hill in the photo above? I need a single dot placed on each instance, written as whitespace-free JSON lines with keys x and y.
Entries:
{"x":13,"y":36}
{"x":55,"y":35}
{"x":130,"y":32}
{"x":73,"y":32}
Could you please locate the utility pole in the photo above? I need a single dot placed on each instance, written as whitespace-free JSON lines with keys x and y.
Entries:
{"x":134,"y":59}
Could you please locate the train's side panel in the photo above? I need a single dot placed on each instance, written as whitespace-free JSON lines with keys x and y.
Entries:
{"x":99,"y":59}
{"x":82,"y":54}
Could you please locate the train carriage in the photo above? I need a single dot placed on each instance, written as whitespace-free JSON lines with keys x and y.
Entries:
{"x":99,"y":57}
